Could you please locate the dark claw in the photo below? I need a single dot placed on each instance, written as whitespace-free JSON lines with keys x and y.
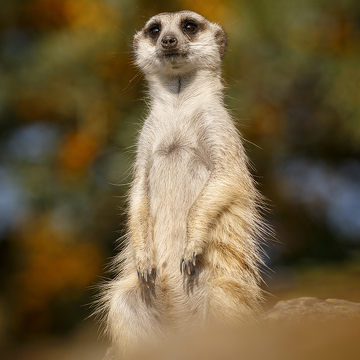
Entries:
{"x":188,"y":265}
{"x":146,"y":277}
{"x":151,"y":275}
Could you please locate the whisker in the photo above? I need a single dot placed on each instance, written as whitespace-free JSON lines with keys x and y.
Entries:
{"x":138,"y":74}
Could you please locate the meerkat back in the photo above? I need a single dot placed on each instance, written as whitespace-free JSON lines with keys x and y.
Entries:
{"x":192,"y":252}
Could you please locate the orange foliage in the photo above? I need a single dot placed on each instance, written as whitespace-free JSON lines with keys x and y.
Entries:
{"x":214,"y":10}
{"x":343,"y":36}
{"x":53,"y":263}
{"x":332,"y":32}
{"x":32,"y":105}
{"x":45,"y":14}
{"x":267,"y":120}
{"x":91,"y":14}
{"x":52,"y":14}
{"x":77,"y":152}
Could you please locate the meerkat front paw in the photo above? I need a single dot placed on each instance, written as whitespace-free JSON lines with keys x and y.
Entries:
{"x":188,"y":260}
{"x":146,"y":271}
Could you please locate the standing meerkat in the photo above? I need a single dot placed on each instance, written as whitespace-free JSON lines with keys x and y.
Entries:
{"x":191,"y":253}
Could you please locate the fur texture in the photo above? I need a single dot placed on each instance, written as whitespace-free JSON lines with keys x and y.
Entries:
{"x":192,"y":248}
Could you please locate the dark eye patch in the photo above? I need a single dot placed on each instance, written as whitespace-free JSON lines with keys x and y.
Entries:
{"x":191,"y":26}
{"x":153,"y":30}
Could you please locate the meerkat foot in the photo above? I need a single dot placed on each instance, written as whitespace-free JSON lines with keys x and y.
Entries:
{"x":147,"y":276}
{"x":146,"y":272}
{"x":187,"y":264}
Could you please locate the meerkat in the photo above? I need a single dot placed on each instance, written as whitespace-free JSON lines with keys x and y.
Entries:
{"x":192,"y":249}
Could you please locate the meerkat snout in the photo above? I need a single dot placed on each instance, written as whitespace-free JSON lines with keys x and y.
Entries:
{"x":169,"y":42}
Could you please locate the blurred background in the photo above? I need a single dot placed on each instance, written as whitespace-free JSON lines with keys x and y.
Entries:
{"x":71,"y":103}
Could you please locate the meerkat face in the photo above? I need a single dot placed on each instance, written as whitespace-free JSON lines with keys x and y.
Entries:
{"x":178,"y":43}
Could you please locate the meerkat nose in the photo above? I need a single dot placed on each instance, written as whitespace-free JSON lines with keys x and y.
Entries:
{"x":169,"y":42}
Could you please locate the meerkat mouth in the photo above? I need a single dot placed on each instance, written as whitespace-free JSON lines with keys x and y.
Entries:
{"x":173,"y":56}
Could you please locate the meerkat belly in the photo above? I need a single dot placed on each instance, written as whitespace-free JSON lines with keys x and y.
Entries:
{"x":177,"y":176}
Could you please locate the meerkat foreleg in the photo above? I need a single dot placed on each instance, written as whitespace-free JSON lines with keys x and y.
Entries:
{"x":219,"y":194}
{"x":141,"y":229}
{"x":202,"y":215}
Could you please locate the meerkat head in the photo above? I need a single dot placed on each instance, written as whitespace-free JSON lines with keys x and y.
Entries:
{"x":178,"y":43}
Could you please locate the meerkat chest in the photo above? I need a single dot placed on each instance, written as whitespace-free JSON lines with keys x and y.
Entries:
{"x":177,"y":151}
{"x":175,"y":135}
{"x":179,"y":165}
{"x":175,"y":145}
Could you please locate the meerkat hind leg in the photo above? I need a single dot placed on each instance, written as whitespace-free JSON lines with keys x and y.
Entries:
{"x":133,"y":319}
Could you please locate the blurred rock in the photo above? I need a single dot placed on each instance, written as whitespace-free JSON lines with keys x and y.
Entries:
{"x":333,"y":335}
{"x":310,"y":308}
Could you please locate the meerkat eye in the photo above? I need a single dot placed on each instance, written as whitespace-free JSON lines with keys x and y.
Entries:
{"x":154,"y":30}
{"x":190,"y":27}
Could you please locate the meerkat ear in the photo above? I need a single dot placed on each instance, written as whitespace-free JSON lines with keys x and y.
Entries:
{"x":221,"y":39}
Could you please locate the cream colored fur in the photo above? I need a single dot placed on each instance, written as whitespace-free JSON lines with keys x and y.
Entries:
{"x":192,"y":201}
